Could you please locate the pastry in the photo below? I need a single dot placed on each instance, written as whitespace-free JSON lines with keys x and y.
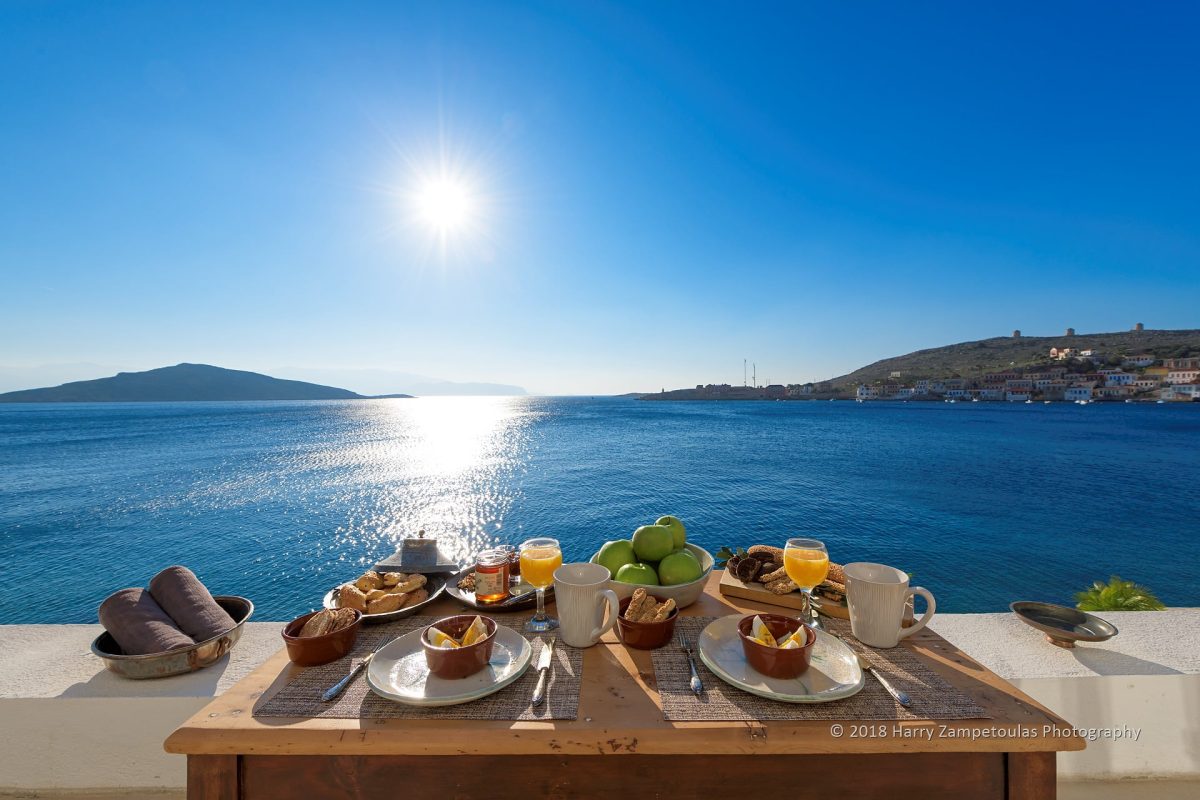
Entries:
{"x":784,"y":586}
{"x":349,"y":596}
{"x":766,"y":552}
{"x":414,"y":597}
{"x":392,"y":578}
{"x":389,"y":602}
{"x":664,"y":610}
{"x":633,"y":611}
{"x":368,"y":581}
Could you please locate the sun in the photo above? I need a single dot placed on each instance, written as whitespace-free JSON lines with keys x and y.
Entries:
{"x":445,"y":205}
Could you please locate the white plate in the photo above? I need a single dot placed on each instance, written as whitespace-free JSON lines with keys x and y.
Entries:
{"x":398,"y":671}
{"x":832,"y":675}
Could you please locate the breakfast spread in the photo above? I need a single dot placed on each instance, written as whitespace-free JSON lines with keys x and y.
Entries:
{"x":381,"y":592}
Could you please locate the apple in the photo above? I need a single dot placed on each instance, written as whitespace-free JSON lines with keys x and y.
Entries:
{"x":679,"y":568}
{"x":652,"y":542}
{"x":676,"y":527}
{"x":615,"y":555}
{"x":638,"y":573}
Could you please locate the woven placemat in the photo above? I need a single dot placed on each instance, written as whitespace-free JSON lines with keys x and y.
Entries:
{"x":301,"y":696}
{"x":931,"y":696}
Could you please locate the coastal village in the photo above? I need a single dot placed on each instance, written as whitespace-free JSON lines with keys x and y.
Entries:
{"x":1080,"y":377}
{"x":1059,"y":373}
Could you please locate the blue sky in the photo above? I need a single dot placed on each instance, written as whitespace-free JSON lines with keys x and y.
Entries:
{"x":659,"y":190}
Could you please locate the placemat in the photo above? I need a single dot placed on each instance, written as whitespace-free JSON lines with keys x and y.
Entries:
{"x":931,"y":696}
{"x":301,"y":696}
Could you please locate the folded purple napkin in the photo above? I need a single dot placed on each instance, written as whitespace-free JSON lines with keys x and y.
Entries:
{"x":183,"y":596}
{"x":140,"y":625}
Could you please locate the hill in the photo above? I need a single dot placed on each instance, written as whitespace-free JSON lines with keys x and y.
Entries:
{"x":972,"y":359}
{"x":180,"y":383}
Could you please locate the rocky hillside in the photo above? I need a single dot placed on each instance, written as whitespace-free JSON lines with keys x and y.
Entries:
{"x":969,"y":359}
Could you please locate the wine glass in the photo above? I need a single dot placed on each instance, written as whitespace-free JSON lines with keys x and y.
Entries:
{"x":806,"y":562}
{"x":539,"y":559}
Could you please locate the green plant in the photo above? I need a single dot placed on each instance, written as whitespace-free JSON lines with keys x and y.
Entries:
{"x":1117,"y":595}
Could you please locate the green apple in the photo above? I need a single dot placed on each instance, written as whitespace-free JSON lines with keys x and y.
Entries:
{"x":676,"y":528}
{"x":615,"y":555}
{"x":638,"y":573}
{"x":652,"y":542}
{"x":679,"y":568}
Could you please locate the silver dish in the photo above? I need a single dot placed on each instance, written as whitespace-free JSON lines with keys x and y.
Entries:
{"x":176,"y":662}
{"x":434,"y":584}
{"x":525,"y":595}
{"x":1063,"y":626}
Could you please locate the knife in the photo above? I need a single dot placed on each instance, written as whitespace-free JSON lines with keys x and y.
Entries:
{"x":543,"y":668}
{"x":335,"y":690}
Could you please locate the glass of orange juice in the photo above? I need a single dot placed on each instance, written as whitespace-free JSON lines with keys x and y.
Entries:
{"x":539,"y":559}
{"x":806,"y":562}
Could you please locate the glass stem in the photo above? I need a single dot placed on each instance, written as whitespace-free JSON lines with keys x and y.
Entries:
{"x":541,"y":605}
{"x":808,"y":609}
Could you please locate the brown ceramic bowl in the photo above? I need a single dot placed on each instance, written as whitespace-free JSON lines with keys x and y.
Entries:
{"x":771,"y":661}
{"x":309,"y":651}
{"x":645,"y":635}
{"x":453,"y":663}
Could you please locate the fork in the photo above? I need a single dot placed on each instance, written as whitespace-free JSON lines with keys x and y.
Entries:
{"x":697,"y":686}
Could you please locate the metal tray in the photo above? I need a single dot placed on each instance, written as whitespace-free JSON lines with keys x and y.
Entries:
{"x":434,"y":584}
{"x":525,"y":598}
{"x":183,"y":660}
{"x":1063,"y":626}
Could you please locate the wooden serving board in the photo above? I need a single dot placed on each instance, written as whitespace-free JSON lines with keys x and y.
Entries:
{"x":732,"y":587}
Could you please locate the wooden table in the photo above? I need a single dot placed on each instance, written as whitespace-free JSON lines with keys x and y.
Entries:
{"x":621,"y":747}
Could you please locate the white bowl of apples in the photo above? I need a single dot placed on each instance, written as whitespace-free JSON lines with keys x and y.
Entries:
{"x":666,"y":566}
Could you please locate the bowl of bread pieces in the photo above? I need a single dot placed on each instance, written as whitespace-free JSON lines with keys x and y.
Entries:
{"x":321,"y":636}
{"x":385,"y":596}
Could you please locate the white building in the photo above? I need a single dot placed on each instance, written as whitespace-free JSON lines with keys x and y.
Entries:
{"x":1117,"y":378}
{"x":1178,"y":376}
{"x":1078,"y":393}
{"x":866,"y":393}
{"x":1143,"y":360}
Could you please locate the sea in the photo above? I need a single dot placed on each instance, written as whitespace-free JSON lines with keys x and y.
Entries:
{"x":984,"y":503}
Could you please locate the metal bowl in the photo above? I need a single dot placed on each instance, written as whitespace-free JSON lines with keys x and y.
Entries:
{"x":176,"y":662}
{"x":434,"y":584}
{"x":1063,"y":626}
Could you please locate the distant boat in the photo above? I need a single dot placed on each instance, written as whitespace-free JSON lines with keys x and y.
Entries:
{"x":1128,"y":401}
{"x":1045,"y":402}
{"x":952,"y":400}
{"x":1160,"y":402}
{"x":1028,"y":402}
{"x":974,"y":399}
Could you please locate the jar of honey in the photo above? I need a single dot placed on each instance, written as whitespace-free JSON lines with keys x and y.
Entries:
{"x":491,"y":577}
{"x":514,"y":561}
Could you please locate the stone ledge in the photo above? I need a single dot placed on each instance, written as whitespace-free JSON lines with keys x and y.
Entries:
{"x":73,"y":729}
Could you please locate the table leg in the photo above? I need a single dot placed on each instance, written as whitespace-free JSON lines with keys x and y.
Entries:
{"x":213,"y":778}
{"x":1031,"y":776}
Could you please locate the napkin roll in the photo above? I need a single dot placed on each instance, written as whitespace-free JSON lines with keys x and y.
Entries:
{"x":188,"y":602}
{"x":139,"y":625}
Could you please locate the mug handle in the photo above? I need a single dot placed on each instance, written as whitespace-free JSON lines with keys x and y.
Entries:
{"x":614,"y":608}
{"x":928,"y":615}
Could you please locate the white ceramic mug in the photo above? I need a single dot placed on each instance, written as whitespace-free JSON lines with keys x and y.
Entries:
{"x":579,"y":594}
{"x":876,"y":595}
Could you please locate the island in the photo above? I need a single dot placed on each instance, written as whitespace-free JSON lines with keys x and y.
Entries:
{"x":183,"y":383}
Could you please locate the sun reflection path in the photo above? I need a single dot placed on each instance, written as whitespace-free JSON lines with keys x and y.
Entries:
{"x":447,"y":465}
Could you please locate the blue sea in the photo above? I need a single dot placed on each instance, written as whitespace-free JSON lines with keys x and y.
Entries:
{"x":983,"y":503}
